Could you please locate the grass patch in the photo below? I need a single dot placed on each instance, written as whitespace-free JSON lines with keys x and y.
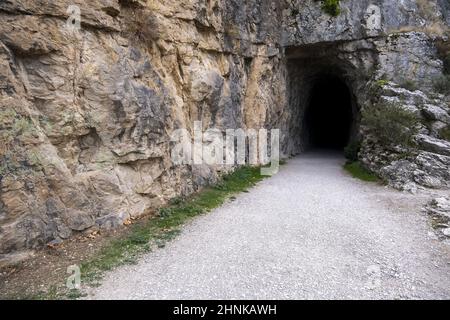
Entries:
{"x":382,"y":82}
{"x":359,"y":172}
{"x":331,"y":7}
{"x":166,"y":224}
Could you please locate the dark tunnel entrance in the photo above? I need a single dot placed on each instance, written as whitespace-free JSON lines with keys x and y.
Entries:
{"x":328,"y":116}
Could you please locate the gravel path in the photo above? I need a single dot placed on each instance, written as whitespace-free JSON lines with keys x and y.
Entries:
{"x":309,"y":232}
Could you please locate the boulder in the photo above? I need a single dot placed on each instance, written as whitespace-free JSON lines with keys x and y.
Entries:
{"x":431,"y":144}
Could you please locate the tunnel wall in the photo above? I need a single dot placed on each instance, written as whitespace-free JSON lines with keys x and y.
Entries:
{"x":306,"y":64}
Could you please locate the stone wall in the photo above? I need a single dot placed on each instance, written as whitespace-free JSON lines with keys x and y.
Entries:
{"x":86,"y":117}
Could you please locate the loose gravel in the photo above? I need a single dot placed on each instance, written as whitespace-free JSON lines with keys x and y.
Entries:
{"x":309,"y":232}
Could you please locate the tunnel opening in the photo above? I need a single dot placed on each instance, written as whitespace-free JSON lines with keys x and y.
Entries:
{"x":328,"y":118}
{"x":323,"y":89}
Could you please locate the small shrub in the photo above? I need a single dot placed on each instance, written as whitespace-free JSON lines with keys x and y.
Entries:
{"x":176,"y":201}
{"x":164,"y":212}
{"x":391,"y":124}
{"x":382,"y":82}
{"x":442,"y":84}
{"x":331,"y":7}
{"x":351,"y":151}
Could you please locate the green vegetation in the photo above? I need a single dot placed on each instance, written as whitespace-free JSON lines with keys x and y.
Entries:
{"x":351,"y":150}
{"x":391,"y":124}
{"x":442,"y":84}
{"x":165,"y":225}
{"x":376,"y":88}
{"x":382,"y":82}
{"x":359,"y":172}
{"x":331,"y":7}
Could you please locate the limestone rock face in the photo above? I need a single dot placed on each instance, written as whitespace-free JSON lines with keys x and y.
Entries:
{"x":86,"y":114}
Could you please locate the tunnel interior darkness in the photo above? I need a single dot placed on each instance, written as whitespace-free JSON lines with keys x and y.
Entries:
{"x":328,"y":116}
